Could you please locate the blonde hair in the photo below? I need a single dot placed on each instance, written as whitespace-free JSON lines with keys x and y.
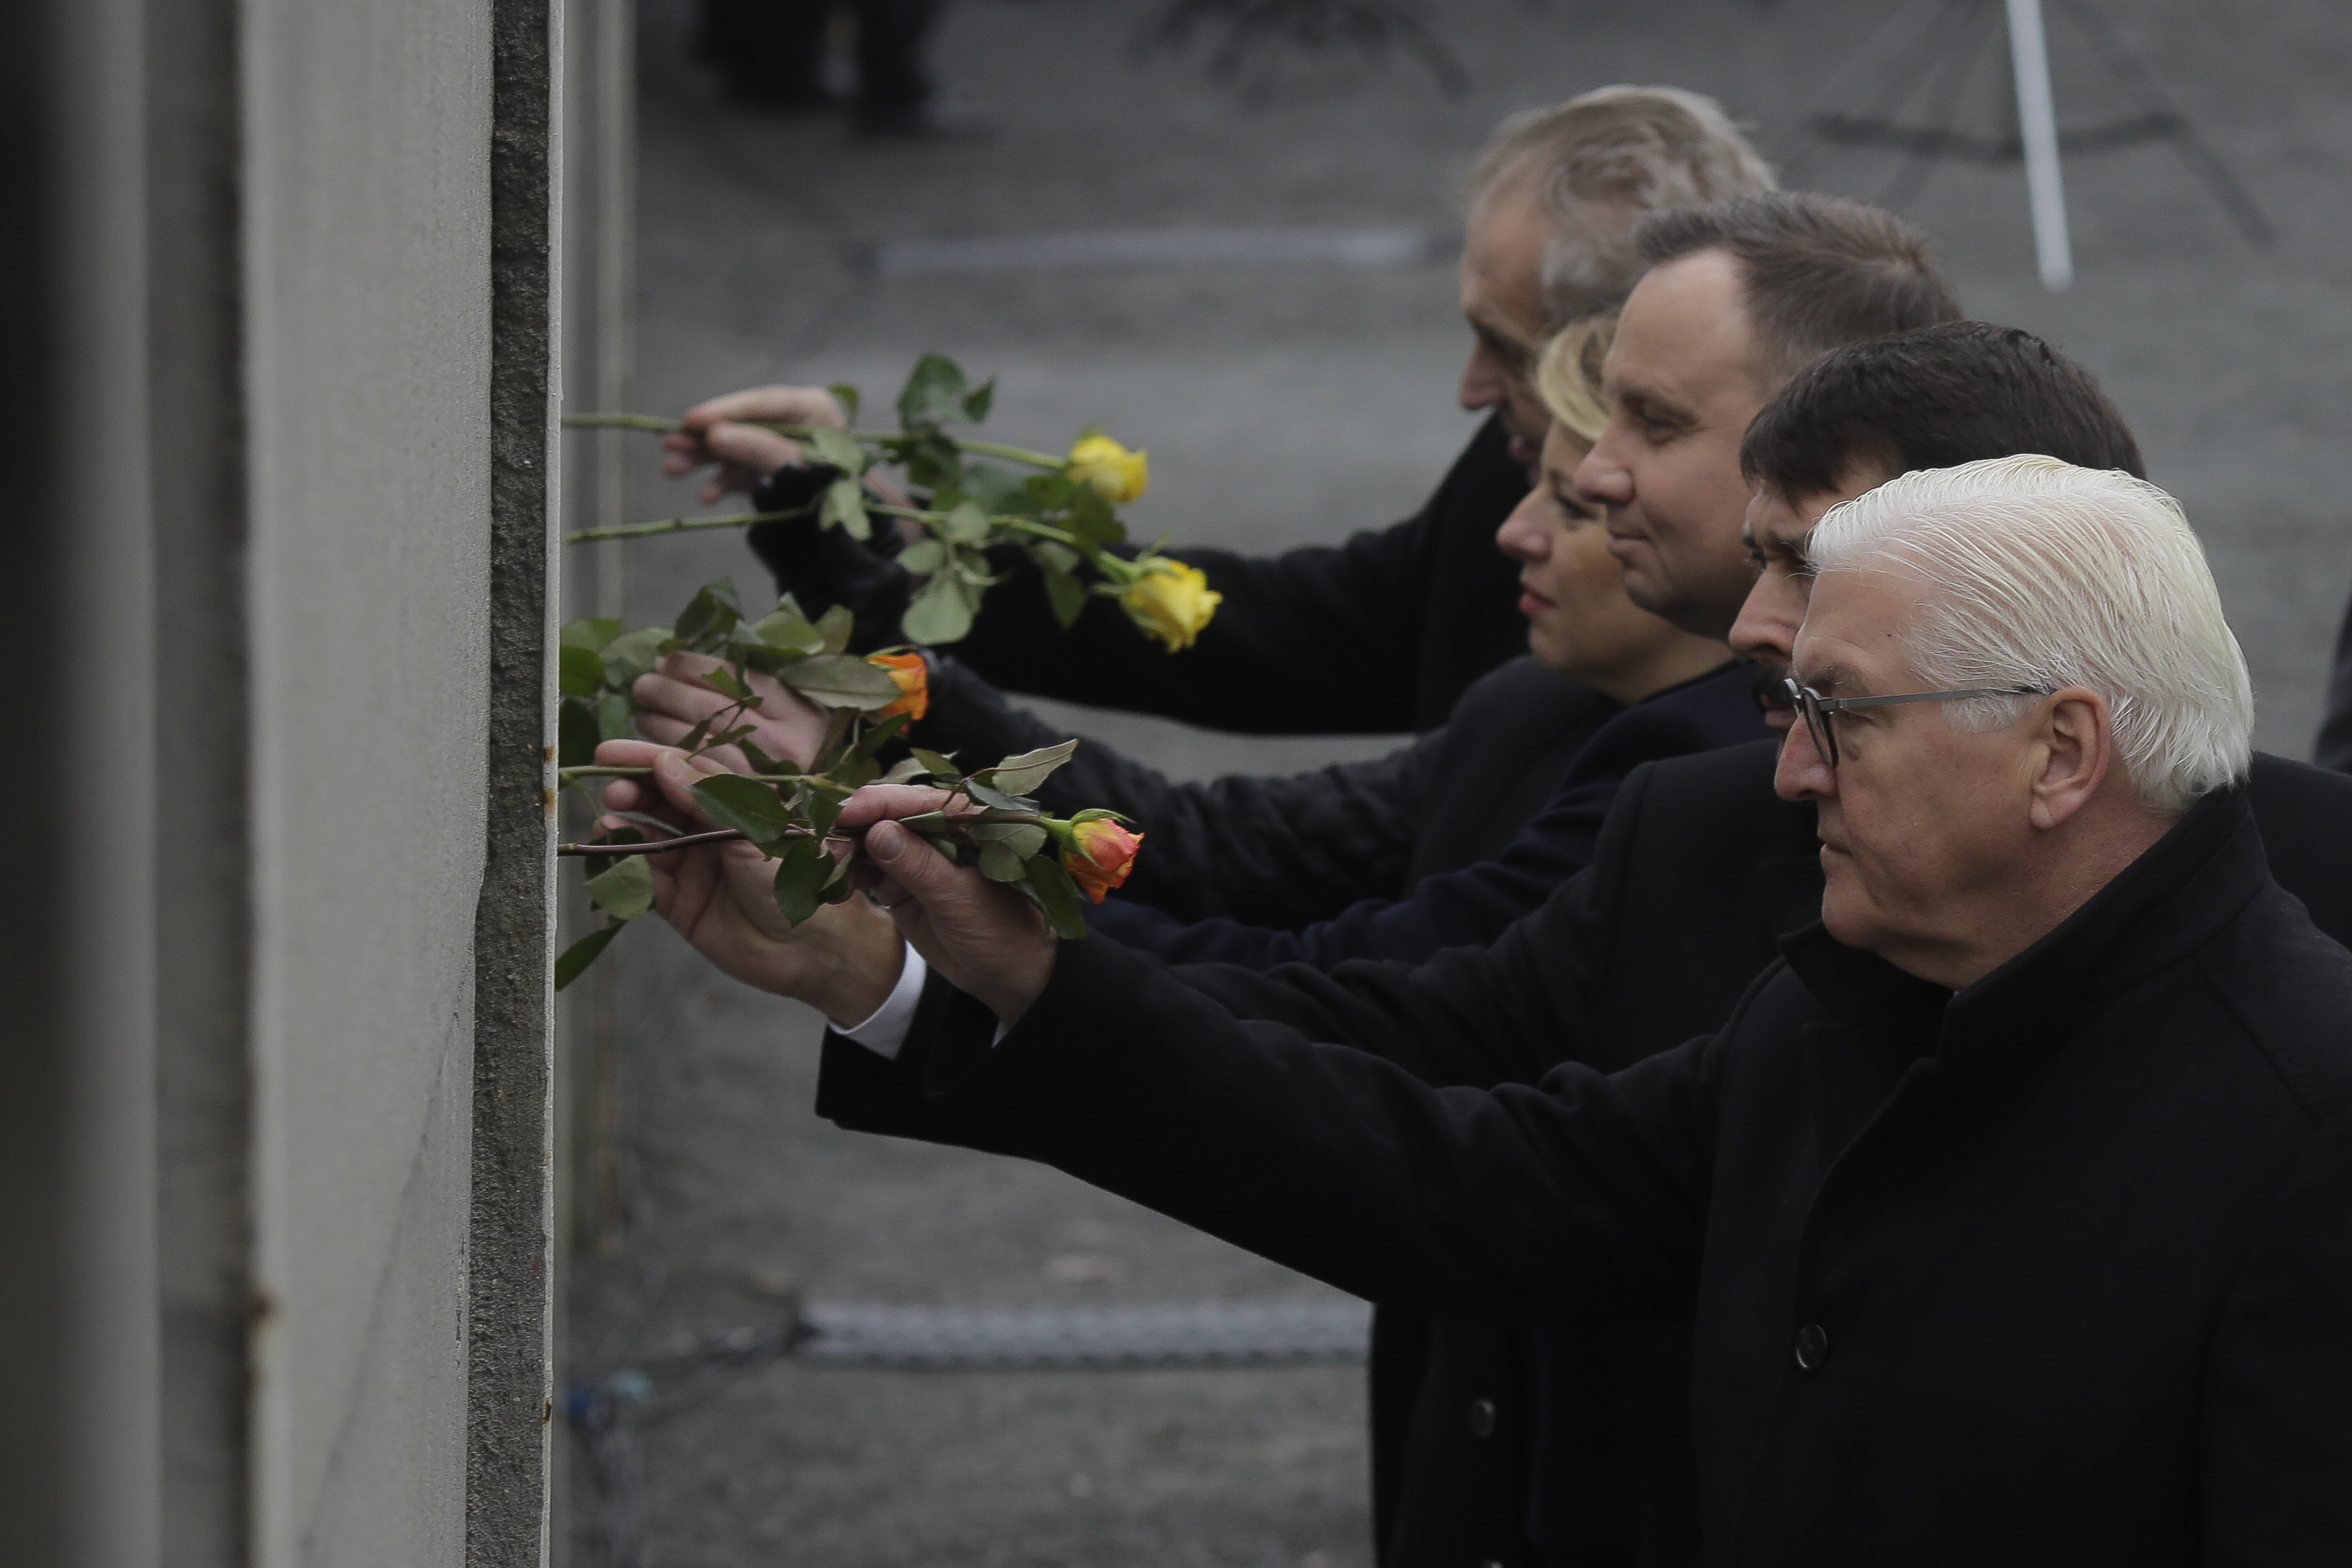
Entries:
{"x":1568,"y":375}
{"x":1635,"y":149}
{"x":2036,"y":572}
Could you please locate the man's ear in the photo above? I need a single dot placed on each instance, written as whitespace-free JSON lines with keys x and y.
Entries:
{"x":2073,"y":753}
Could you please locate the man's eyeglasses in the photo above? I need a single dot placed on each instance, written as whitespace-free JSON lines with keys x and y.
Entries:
{"x":1817,"y":708}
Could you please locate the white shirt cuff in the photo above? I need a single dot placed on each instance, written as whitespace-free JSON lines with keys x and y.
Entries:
{"x":884,"y":1030}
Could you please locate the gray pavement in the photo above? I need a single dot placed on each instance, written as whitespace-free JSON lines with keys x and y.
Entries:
{"x":1285,"y":402}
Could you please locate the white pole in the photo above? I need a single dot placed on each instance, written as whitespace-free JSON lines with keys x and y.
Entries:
{"x":2037,"y":125}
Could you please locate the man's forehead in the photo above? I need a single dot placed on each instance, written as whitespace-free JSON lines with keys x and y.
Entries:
{"x":1685,"y":325}
{"x":1853,"y":635}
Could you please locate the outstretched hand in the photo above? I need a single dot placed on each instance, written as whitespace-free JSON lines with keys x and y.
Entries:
{"x":716,"y":431}
{"x":674,"y":699}
{"x":720,"y":897}
{"x":984,"y":939}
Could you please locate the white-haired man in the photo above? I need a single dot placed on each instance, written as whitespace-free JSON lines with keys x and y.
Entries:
{"x":2009,"y":1206}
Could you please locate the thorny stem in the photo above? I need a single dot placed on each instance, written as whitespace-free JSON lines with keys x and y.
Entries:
{"x":681,"y":525}
{"x":566,"y":775}
{"x":800,"y":433}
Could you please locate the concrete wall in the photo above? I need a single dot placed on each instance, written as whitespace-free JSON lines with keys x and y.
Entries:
{"x":274,"y":1157}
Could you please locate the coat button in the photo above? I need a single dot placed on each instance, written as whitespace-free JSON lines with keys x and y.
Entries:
{"x":1482,"y":1418}
{"x":1812,"y":1347}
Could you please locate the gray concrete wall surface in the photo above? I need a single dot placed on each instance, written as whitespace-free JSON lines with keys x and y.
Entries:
{"x":278,"y":324}
{"x":368,"y":376}
{"x":1283,"y":405}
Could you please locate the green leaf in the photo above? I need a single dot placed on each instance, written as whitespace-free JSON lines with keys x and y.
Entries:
{"x":976,"y":402}
{"x":846,"y":396}
{"x":999,"y":489}
{"x":578,"y":672}
{"x":1057,"y":895}
{"x":1091,"y":518}
{"x":583,"y":953}
{"x":616,"y":717}
{"x":760,"y":760}
{"x":713,"y":613}
{"x":995,"y":800}
{"x":624,"y":889}
{"x":966,"y":524}
{"x":934,"y":391}
{"x":1052,"y":492}
{"x":940,"y":613}
{"x":722,"y":680}
{"x":999,"y":863}
{"x":845,"y":504}
{"x":575,"y":734}
{"x":1023,"y":839}
{"x":632,"y":655}
{"x":589,"y":635}
{"x":924,"y":557}
{"x":788,"y":631}
{"x":834,"y":449}
{"x":822,"y":812}
{"x":932,"y":460}
{"x":880,"y":736}
{"x":1097,"y":814}
{"x":1066,"y":595}
{"x":744,"y":804}
{"x":1021,"y":775}
{"x":841,"y":680}
{"x":854,"y":771}
{"x":933,"y":763}
{"x":802,"y":873}
{"x":836,"y":626}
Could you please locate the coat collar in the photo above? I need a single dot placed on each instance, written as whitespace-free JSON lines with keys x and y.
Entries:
{"x":2157,"y":911}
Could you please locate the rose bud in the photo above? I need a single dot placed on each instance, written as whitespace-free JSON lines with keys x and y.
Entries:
{"x":1116,"y":475}
{"x":1171,"y":601}
{"x":912,"y":677}
{"x":1099,"y":855}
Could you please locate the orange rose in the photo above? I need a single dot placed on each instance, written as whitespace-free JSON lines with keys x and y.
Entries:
{"x":912,"y":677}
{"x":1099,"y":855}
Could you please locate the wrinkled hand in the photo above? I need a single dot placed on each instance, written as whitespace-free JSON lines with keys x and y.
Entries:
{"x":716,"y":432}
{"x":842,"y":960}
{"x":673,"y":699}
{"x":986,"y":939}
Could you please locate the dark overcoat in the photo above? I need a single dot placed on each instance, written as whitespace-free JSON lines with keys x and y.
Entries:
{"x":2052,"y":1271}
{"x":1700,"y":871}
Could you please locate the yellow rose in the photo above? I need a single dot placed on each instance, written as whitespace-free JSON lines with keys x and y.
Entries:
{"x":1116,"y":475}
{"x":1172,"y":601}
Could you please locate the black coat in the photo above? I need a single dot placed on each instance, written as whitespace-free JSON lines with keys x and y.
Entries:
{"x":1288,"y":851}
{"x":1700,"y":870}
{"x":1475,"y":903}
{"x":1376,"y":636}
{"x":2052,"y":1272}
{"x":2333,"y":748}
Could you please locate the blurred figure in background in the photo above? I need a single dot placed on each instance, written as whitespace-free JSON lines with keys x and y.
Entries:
{"x":770,"y":55}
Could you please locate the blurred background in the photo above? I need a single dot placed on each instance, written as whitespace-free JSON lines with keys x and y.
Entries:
{"x":1242,"y":261}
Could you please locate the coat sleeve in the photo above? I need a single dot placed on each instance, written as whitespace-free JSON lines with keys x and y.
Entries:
{"x":1475,"y":905}
{"x":1321,"y":640}
{"x":1281,"y":851}
{"x":2277,"y":1459}
{"x":1588,"y":1194}
{"x":1505,"y":1012}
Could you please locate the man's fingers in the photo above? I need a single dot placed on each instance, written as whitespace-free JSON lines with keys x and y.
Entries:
{"x":773,"y":405}
{"x":882,"y":802}
{"x":761,"y":451}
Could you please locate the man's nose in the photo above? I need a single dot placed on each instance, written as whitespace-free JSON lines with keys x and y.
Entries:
{"x":1768,"y":618}
{"x":1601,"y":477}
{"x":1801,"y":773}
{"x":1483,"y":380}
